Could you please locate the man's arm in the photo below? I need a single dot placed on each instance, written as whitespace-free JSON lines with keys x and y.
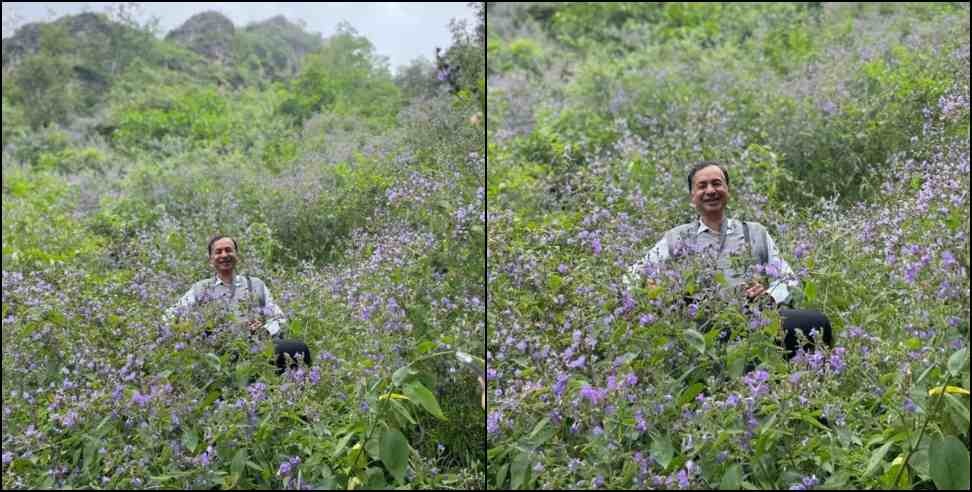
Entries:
{"x":274,"y":315}
{"x":778,"y":288}
{"x":657,"y":255}
{"x":188,"y":300}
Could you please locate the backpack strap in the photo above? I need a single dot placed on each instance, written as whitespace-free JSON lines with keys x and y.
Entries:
{"x":749,"y":241}
{"x":758,"y":246}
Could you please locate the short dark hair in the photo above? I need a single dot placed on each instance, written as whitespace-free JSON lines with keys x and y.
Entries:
{"x":704,"y":164}
{"x":217,"y":238}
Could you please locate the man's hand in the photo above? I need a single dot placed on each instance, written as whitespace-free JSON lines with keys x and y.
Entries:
{"x":755,"y":290}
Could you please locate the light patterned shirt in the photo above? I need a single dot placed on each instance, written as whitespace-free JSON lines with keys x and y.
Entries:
{"x":735,"y":241}
{"x":215,"y":288}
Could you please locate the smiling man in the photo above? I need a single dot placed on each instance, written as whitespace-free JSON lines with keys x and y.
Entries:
{"x":247,"y":297}
{"x":725,"y":238}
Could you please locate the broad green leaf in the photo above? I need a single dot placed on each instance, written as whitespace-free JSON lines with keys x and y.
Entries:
{"x":402,"y":374}
{"x":343,"y":443}
{"x":730,"y":480}
{"x":696,"y":340}
{"x":949,"y":464}
{"x":394,"y":453}
{"x":190,"y":440}
{"x":239,"y":461}
{"x":876,"y":459}
{"x":501,"y":476}
{"x":520,"y":471}
{"x":957,"y":361}
{"x":417,"y":392}
{"x":690,"y":393}
{"x":662,"y":450}
{"x":810,"y":291}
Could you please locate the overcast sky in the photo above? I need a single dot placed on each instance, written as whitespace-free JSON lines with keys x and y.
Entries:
{"x":402,"y":31}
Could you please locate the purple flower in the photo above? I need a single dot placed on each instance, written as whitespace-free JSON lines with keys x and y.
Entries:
{"x":257,"y":392}
{"x":806,"y":484}
{"x":630,"y":379}
{"x":140,"y":399}
{"x":756,"y":381}
{"x":315,"y":375}
{"x":493,"y":422}
{"x":592,"y":394}
{"x":578,"y":362}
{"x":683,"y":479}
{"x":909,"y":406}
{"x":7,"y":457}
{"x":837,"y":360}
{"x":596,"y":246}
{"x":560,"y":385}
{"x":693,"y":309}
{"x":598,"y":481}
{"x":948,"y":259}
{"x":284,"y":469}
{"x":646,"y":319}
{"x":562,"y":268}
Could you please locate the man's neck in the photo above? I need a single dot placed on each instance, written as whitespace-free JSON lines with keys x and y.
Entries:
{"x":227,"y":278}
{"x":713,"y":222}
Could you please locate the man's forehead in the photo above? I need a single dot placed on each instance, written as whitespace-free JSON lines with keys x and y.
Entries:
{"x":223,"y":243}
{"x":708,"y":173}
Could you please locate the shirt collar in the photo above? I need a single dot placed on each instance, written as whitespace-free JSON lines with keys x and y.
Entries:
{"x":237,"y":280}
{"x":730,"y":225}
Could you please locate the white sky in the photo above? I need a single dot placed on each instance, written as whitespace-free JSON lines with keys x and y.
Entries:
{"x":401,"y":31}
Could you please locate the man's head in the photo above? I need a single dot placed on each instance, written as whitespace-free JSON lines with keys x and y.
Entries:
{"x":709,"y":187}
{"x":223,"y":253}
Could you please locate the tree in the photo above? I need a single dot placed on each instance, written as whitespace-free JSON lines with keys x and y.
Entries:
{"x":344,"y":76}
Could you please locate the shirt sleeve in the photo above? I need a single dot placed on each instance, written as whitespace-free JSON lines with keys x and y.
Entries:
{"x":657,"y":255}
{"x":275,"y":315}
{"x":779,"y":288}
{"x":188,"y":300}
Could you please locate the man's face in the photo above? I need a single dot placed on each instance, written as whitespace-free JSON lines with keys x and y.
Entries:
{"x":709,"y":190}
{"x":223,"y":258}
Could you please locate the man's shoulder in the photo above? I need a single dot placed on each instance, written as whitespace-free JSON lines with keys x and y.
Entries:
{"x":682,"y":229}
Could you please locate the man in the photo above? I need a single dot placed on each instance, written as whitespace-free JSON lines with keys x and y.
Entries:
{"x":725,"y":238}
{"x":247,"y":297}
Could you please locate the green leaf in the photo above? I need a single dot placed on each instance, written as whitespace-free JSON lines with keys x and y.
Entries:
{"x":876,"y":458}
{"x":394,"y":453}
{"x":957,"y":361}
{"x":690,"y":393}
{"x":426,"y":347}
{"x":190,"y":440}
{"x":417,"y":392}
{"x":343,"y":443}
{"x":696,"y":340}
{"x":810,"y":291}
{"x":402,"y":374}
{"x":501,"y":476}
{"x":662,"y":450}
{"x":554,"y":281}
{"x":960,"y":411}
{"x":520,"y":471}
{"x":949,"y":464}
{"x":730,"y":480}
{"x":239,"y":461}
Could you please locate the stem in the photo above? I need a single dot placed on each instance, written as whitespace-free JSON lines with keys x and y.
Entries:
{"x":938,"y":406}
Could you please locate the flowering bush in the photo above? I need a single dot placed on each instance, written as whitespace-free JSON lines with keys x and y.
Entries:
{"x":372,"y":245}
{"x":592,"y":383}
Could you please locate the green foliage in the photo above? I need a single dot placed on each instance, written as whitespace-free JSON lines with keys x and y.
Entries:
{"x":39,"y":227}
{"x":345,"y":76}
{"x":202,"y":117}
